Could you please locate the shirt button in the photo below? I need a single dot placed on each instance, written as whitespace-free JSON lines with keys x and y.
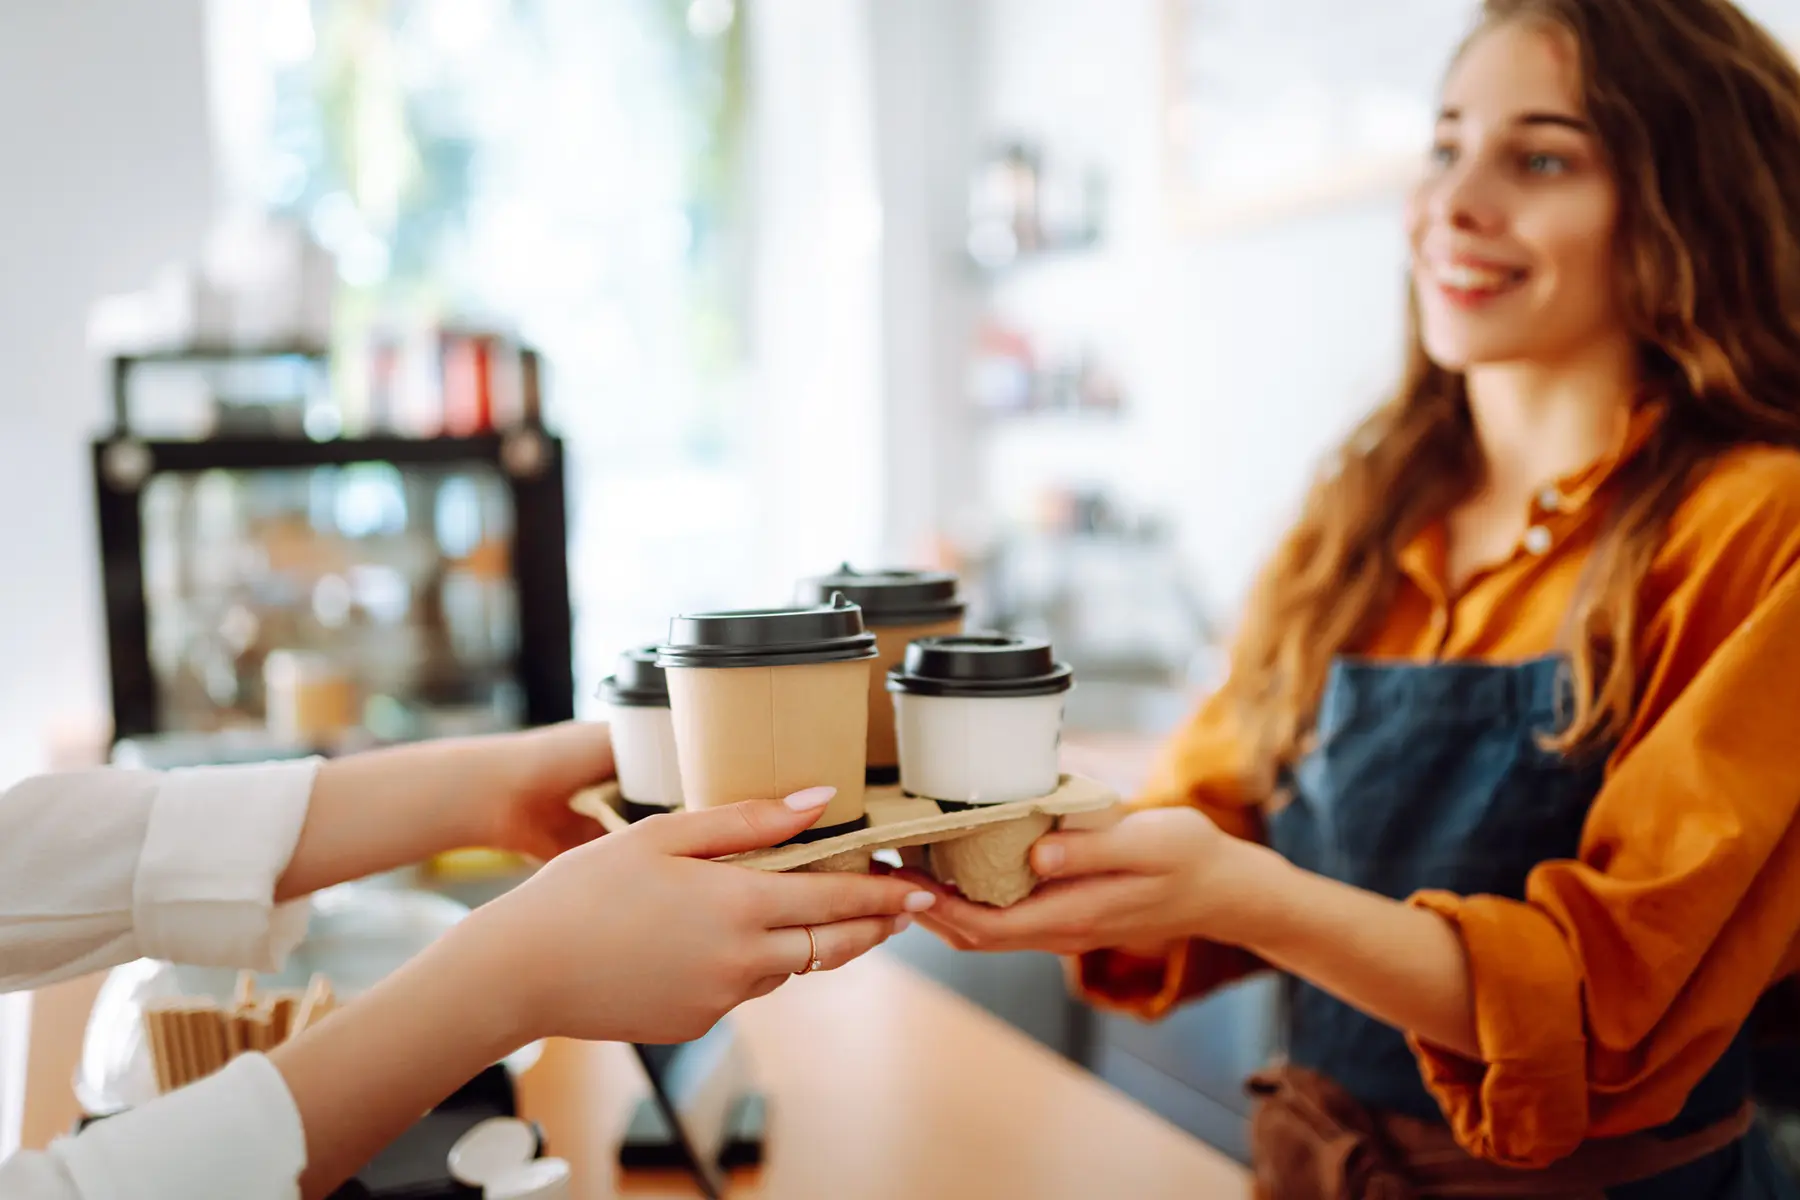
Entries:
{"x":1550,"y":500}
{"x":1537,"y":539}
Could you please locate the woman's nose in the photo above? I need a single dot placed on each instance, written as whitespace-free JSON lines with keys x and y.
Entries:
{"x":1465,"y":197}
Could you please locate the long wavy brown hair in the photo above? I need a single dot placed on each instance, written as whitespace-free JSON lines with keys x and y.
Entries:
{"x":1697,"y":112}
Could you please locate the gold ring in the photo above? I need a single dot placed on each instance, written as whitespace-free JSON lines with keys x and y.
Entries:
{"x":812,"y":954}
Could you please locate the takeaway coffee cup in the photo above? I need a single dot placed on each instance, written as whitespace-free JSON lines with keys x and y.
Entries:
{"x":643,"y":735}
{"x":770,"y":701}
{"x":979,"y":718}
{"x":310,"y":700}
{"x":898,"y":607}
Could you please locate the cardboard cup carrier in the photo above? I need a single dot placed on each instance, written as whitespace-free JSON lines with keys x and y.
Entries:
{"x":979,"y":848}
{"x":643,"y":735}
{"x":898,"y":608}
{"x":769,"y":701}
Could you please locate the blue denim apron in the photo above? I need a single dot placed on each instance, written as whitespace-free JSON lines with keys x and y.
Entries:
{"x":1431,"y":776}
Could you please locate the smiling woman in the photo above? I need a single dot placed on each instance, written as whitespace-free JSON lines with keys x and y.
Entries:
{"x":1501,"y":775}
{"x":1512,"y":138}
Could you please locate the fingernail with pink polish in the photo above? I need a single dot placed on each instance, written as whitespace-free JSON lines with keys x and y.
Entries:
{"x":902,"y":923}
{"x":919,"y":901}
{"x":810,"y":799}
{"x":1049,"y":858}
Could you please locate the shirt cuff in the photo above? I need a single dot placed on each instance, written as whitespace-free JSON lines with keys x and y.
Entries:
{"x":1150,"y":987}
{"x":235,"y":1135}
{"x":218,"y":840}
{"x":1524,"y":1103}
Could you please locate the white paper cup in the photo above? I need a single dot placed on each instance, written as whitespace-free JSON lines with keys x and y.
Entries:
{"x":644,"y":753}
{"x":979,"y":718}
{"x":979,"y":751}
{"x":643,"y":733}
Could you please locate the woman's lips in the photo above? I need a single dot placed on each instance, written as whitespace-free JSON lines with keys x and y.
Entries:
{"x":1469,"y":283}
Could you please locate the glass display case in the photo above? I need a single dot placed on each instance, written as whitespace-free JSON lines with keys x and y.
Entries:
{"x":280,"y":594}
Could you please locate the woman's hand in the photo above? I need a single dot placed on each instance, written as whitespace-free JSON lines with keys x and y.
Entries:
{"x":635,"y":937}
{"x":638,"y":938}
{"x":389,"y":808}
{"x":543,"y":769}
{"x":1158,"y":876}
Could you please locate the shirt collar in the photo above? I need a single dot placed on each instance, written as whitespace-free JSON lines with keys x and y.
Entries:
{"x":1424,"y":559}
{"x":1577,"y":489}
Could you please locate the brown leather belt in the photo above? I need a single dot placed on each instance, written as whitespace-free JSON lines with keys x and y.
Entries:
{"x":1311,"y":1140}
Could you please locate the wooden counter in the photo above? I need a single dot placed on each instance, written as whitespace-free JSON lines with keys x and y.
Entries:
{"x":881,"y":1085}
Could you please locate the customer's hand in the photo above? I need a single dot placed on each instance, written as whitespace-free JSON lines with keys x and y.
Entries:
{"x":634,"y":937}
{"x":543,"y":769}
{"x":638,"y":938}
{"x":1157,"y":876}
{"x":387,"y":808}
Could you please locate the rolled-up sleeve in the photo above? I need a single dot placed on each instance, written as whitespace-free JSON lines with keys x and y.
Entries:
{"x":1203,"y":766}
{"x":101,"y":867}
{"x":1605,"y":995}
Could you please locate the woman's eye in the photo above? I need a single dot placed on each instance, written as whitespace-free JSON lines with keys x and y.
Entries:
{"x":1443,"y":154}
{"x":1546,"y":164}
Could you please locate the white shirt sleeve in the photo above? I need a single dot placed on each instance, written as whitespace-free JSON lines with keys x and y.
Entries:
{"x":234,"y":1135}
{"x":99,"y":868}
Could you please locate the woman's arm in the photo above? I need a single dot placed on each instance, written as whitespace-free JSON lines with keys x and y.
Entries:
{"x":1592,"y":1006}
{"x":1171,"y":873}
{"x":100,"y":867}
{"x":388,"y":808}
{"x":636,"y":937}
{"x":1204,"y":766}
{"x":1402,"y":965}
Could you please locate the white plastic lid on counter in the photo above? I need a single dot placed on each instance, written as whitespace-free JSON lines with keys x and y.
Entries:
{"x":498,"y":1156}
{"x":539,"y":1179}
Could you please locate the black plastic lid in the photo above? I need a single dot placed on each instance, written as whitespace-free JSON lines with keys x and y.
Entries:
{"x":638,"y":683}
{"x":774,"y":637}
{"x":980,"y":664}
{"x":890,"y":597}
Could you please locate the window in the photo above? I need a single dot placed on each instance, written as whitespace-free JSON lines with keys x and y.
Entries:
{"x":567,"y":170}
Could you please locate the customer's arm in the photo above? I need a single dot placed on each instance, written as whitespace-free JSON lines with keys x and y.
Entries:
{"x":372,"y":812}
{"x":634,"y":938}
{"x":103,"y":867}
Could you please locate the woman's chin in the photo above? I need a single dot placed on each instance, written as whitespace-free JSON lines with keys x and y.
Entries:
{"x":1462,"y":353}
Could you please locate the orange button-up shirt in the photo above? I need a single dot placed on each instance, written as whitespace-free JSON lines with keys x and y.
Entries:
{"x":1605,"y":994}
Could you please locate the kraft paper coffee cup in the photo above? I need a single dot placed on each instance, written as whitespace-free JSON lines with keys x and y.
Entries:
{"x":309,"y":698}
{"x":979,"y":718}
{"x":770,"y":701}
{"x":899,"y":607}
{"x":643,"y":735}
